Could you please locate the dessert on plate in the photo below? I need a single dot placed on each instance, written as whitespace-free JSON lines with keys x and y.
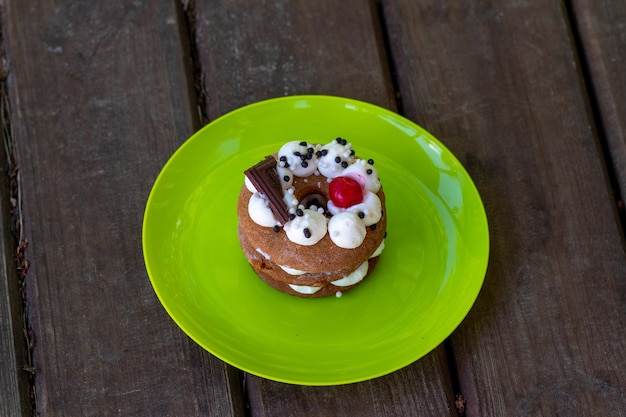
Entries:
{"x":312,"y":218}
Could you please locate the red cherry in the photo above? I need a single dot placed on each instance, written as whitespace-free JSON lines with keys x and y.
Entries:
{"x":345,"y":192}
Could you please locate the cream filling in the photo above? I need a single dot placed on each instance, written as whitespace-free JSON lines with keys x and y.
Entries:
{"x":350,"y":279}
{"x":292,"y":271}
{"x":264,"y":254}
{"x":305,"y":289}
{"x":353,"y":277}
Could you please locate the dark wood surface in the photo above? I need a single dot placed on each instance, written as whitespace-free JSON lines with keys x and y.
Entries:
{"x":516,"y":114}
{"x":96,"y":96}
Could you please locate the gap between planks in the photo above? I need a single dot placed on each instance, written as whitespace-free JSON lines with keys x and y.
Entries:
{"x":594,"y":108}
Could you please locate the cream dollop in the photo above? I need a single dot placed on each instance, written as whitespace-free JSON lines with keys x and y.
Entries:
{"x":346,"y":230}
{"x":307,"y":229}
{"x":371,"y":208}
{"x":299,"y":157}
{"x":364,"y":173}
{"x":249,"y":184}
{"x":335,"y":157}
{"x":353,"y":277}
{"x":260,"y":211}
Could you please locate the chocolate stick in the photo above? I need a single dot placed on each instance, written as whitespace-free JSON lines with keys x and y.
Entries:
{"x":264,"y":177}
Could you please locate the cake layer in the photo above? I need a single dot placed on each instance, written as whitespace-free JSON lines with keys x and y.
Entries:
{"x":325,"y":290}
{"x":261,"y":260}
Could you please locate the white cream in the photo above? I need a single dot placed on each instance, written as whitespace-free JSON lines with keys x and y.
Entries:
{"x":260,"y":211}
{"x":264,"y":254}
{"x":249,"y":184}
{"x":346,"y":230}
{"x":371,"y":208}
{"x":353,"y":277}
{"x":292,"y":271}
{"x":305,"y":289}
{"x":286,"y":177}
{"x":290,"y":199}
{"x":359,"y":172}
{"x":328,"y":165}
{"x":290,"y":155}
{"x":307,"y":229}
{"x":350,"y":279}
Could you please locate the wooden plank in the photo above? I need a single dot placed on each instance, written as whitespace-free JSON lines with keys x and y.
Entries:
{"x":499,"y":83}
{"x":413,"y":391}
{"x":273,"y":49}
{"x":14,"y":384}
{"x":600,"y":26}
{"x":251,"y":51}
{"x":99,"y":95}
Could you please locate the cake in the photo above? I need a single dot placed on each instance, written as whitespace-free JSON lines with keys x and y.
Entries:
{"x":312,"y":219}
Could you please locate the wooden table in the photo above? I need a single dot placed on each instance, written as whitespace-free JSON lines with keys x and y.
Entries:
{"x":530,"y":95}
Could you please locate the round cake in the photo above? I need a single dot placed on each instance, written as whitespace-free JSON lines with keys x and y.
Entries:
{"x":312,"y":218}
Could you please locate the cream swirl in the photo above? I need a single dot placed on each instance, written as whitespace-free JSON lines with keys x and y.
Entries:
{"x":369,"y":210}
{"x":346,"y":230}
{"x":335,"y":157}
{"x":307,"y":228}
{"x":365,"y":173}
{"x":299,"y":157}
{"x":260,"y":211}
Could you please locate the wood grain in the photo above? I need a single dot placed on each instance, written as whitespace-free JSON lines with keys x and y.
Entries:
{"x":600,"y":27}
{"x":100,"y":101}
{"x":421,"y":389}
{"x":282,"y":48}
{"x":499,"y":83}
{"x":14,"y":388}
{"x":251,"y":51}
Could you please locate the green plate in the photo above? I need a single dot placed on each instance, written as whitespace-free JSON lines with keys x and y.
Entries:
{"x":427,"y":279}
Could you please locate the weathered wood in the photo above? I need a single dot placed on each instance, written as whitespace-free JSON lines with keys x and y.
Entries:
{"x":499,"y":83}
{"x":14,"y":385}
{"x":417,"y":390}
{"x":100,"y":101}
{"x":600,"y":26}
{"x":251,"y":51}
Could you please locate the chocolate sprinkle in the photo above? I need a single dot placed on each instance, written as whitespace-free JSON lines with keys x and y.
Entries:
{"x":265,"y":179}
